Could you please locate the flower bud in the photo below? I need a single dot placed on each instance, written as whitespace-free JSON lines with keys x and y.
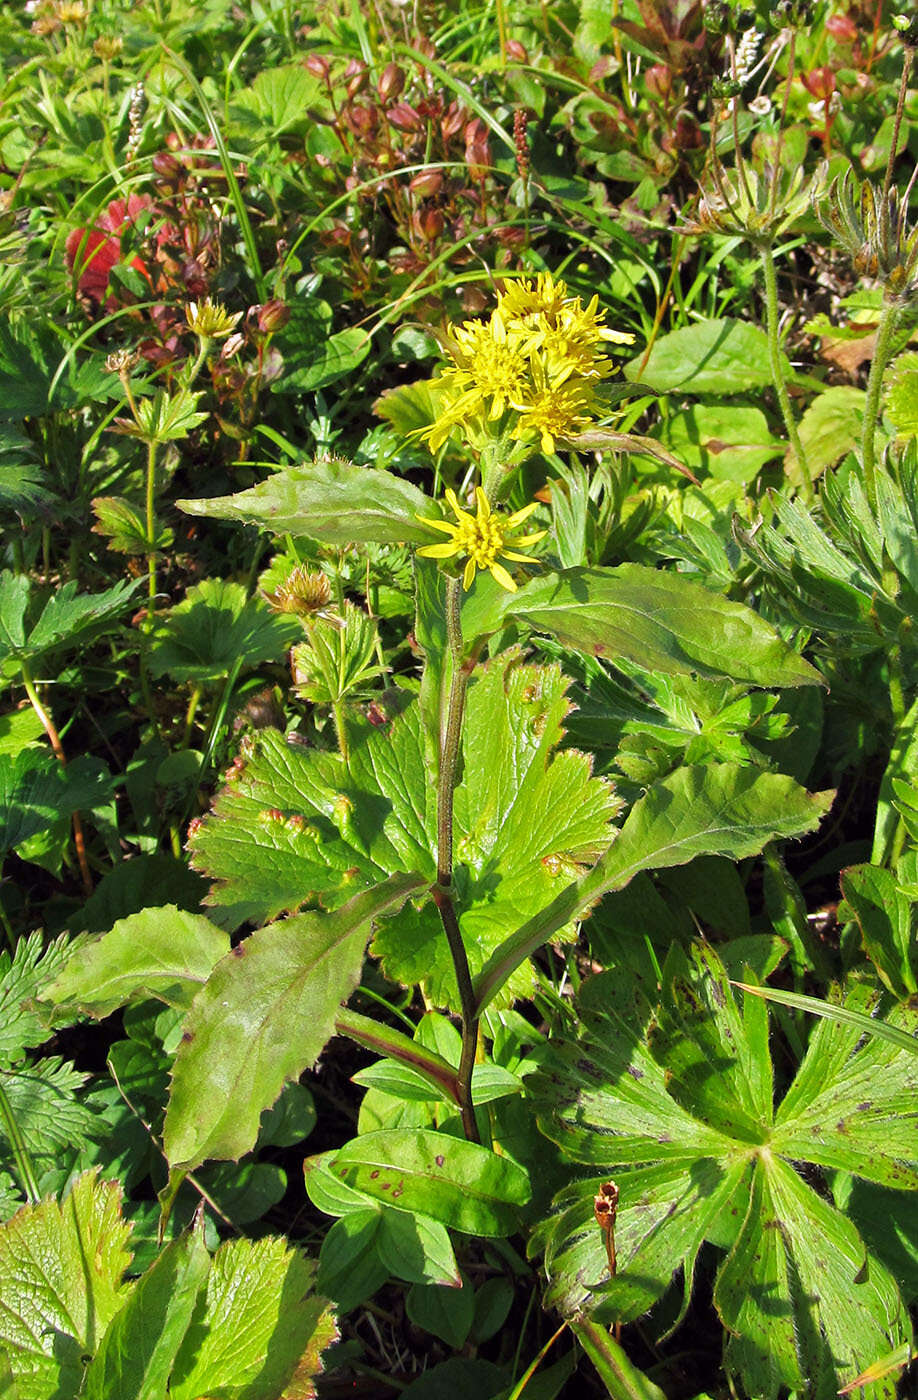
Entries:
{"x":273,"y":316}
{"x":404,"y":117}
{"x":516,"y":51}
{"x":427,"y":183}
{"x":429,"y":223}
{"x":391,"y":82}
{"x":659,"y":80}
{"x":318,"y":65}
{"x":842,"y":28}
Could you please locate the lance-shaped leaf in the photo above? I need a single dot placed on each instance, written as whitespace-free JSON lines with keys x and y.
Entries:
{"x":165,"y":953}
{"x":261,"y":1019}
{"x":61,"y":1266}
{"x":673,"y":1104}
{"x":332,"y":501}
{"x":659,"y":621}
{"x":710,"y":809}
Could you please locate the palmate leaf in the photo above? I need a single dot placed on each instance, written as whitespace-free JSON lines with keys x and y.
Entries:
{"x":35,"y":792}
{"x":295,"y":824}
{"x":216,"y":624}
{"x":67,"y":619}
{"x":61,"y":1267}
{"x":673,"y":1103}
{"x":42,"y":1096}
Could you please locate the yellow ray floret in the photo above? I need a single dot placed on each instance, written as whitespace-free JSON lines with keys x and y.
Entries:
{"x":482,"y":539}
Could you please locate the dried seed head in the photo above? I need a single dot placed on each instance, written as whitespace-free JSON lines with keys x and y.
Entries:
{"x":302,"y":593}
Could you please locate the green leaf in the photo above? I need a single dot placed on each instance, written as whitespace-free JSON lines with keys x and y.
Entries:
{"x":330,"y":358}
{"x":165,"y":417}
{"x":840,"y":1015}
{"x":43,"y":1101}
{"x":416,"y":1249}
{"x":660,"y":622}
{"x":830,"y":427}
{"x":620,"y":1376}
{"x":458,"y":1183}
{"x":164,"y":953}
{"x":331,"y":501}
{"x":67,"y":619}
{"x":887,"y":917}
{"x":729,"y":441}
{"x":20,"y":730}
{"x":124,"y":528}
{"x":350,"y":1269}
{"x":446,"y":1313}
{"x":22,"y":980}
{"x":710,"y":357}
{"x":706,"y":810}
{"x":261,"y":1019}
{"x":32,"y":351}
{"x":36,"y":792}
{"x":856,"y":1110}
{"x":60,"y":1285}
{"x":213,"y":629}
{"x":258,"y":1330}
{"x":808,"y":1305}
{"x":673,"y":1104}
{"x":526,"y":816}
{"x":140,"y":1346}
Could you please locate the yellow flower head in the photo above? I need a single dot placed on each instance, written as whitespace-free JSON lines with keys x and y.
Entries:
{"x":210,"y":319}
{"x":554,"y":410}
{"x":482,"y":538}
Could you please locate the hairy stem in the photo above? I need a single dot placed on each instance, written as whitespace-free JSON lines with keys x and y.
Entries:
{"x":442,"y":894}
{"x":151,"y":531}
{"x":777,"y":369}
{"x":21,"y":1155}
{"x":889,"y":317}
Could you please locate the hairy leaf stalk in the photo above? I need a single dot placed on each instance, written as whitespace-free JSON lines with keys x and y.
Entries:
{"x":886,"y":330}
{"x":777,"y":369}
{"x":446,"y":783}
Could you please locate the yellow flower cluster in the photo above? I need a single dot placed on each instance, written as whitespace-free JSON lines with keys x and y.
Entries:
{"x":539,"y":357}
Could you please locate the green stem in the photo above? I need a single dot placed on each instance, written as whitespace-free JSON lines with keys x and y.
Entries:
{"x":151,"y":532}
{"x":192,"y":710}
{"x":777,"y":369}
{"x":340,"y":729}
{"x":885,"y":332}
{"x":5,"y":921}
{"x":442,"y":895}
{"x":20,"y":1152}
{"x":55,"y":740}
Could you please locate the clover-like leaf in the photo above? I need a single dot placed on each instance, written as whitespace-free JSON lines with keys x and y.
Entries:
{"x":673,"y":1103}
{"x":217,"y":624}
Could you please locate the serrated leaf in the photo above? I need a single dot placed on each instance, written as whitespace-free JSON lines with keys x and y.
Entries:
{"x":860,"y":1112}
{"x":888,"y":920}
{"x":42,"y":1098}
{"x":215,"y":627}
{"x":258,"y":1330}
{"x":165,"y":953}
{"x":295,"y":825}
{"x":22,"y":979}
{"x":61,"y":1267}
{"x":135,"y":1357}
{"x":837,"y":1310}
{"x":124,"y":527}
{"x":261,"y":1019}
{"x":30,"y":357}
{"x":67,"y":619}
{"x":661,"y":622}
{"x":462,"y":1185}
{"x":21,"y":729}
{"x":165,"y":417}
{"x":723,"y":356}
{"x":332,"y":501}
